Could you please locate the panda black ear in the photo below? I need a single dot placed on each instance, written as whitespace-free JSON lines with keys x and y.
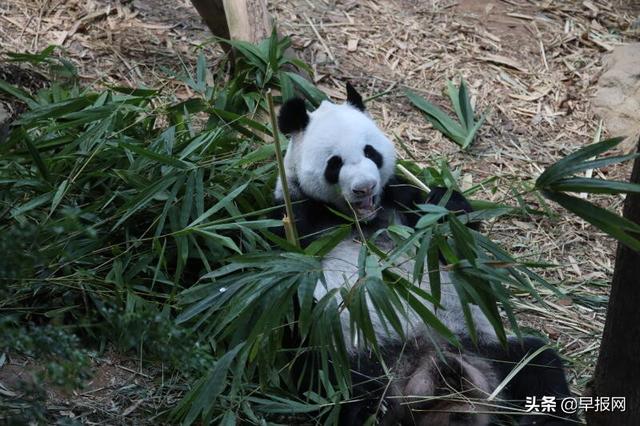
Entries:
{"x":354,"y":98}
{"x":293,"y":116}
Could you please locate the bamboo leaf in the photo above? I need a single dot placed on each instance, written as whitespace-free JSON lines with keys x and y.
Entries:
{"x":454,"y":97}
{"x":428,"y":317}
{"x":237,"y":119}
{"x":222,"y":239}
{"x":435,"y":114}
{"x":603,"y":162}
{"x":55,"y":110}
{"x":31,"y":204}
{"x":37,"y":159}
{"x":33,"y":58}
{"x":521,"y":364}
{"x":143,"y":198}
{"x":17,"y":93}
{"x":574,"y":162}
{"x":273,"y":50}
{"x":286,"y":86}
{"x":421,"y":257}
{"x":57,"y":197}
{"x":463,"y":238}
{"x":224,"y":202}
{"x":306,"y":289}
{"x":594,"y":186}
{"x":467,"y":110}
{"x":472,"y":132}
{"x":609,"y":222}
{"x":250,"y":52}
{"x":311,"y":92}
{"x":327,"y":242}
{"x":462,"y":132}
{"x":155,"y":156}
{"x":211,"y":387}
{"x":433,"y":268}
{"x":201,"y":73}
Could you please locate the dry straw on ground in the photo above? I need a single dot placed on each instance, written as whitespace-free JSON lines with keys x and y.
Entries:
{"x":533,"y":64}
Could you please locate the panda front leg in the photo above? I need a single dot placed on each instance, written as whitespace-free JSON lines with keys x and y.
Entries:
{"x":542,"y":376}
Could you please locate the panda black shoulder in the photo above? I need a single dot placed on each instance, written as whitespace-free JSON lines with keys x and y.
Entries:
{"x":293,"y":116}
{"x":403,"y":196}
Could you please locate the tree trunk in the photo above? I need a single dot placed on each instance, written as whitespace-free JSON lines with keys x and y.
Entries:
{"x":212,"y":12}
{"x":246,"y":20}
{"x":618,"y":369}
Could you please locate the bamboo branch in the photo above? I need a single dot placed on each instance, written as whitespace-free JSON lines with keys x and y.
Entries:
{"x":413,"y":179}
{"x":289,"y":220}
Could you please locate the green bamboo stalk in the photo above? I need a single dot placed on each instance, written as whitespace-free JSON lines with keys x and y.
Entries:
{"x":413,"y":178}
{"x":289,"y":220}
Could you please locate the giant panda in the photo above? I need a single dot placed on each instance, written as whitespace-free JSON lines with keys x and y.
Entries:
{"x":339,"y":160}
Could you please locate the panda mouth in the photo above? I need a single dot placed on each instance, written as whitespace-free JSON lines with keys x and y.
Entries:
{"x":365,"y":207}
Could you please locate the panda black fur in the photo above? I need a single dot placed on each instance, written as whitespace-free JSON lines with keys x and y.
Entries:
{"x":338,"y":159}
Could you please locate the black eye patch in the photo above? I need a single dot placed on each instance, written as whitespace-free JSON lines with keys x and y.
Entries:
{"x":372,"y":154}
{"x":332,"y":171}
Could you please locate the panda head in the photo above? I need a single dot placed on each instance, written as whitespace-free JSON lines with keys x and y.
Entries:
{"x":336,"y":155}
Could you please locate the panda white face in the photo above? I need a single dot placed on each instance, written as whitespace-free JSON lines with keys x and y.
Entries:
{"x":340,"y":157}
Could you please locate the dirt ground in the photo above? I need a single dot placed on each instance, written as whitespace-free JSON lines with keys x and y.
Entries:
{"x":532,"y":64}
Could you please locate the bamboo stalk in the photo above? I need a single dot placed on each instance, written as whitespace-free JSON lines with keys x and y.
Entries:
{"x":289,"y":220}
{"x":413,"y":179}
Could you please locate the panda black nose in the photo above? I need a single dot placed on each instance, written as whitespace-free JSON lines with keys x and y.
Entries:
{"x":363,"y":189}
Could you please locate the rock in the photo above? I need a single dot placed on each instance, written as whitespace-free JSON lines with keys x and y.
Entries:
{"x":617,"y":99}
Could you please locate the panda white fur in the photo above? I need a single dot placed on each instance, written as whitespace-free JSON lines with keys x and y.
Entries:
{"x":337,"y":158}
